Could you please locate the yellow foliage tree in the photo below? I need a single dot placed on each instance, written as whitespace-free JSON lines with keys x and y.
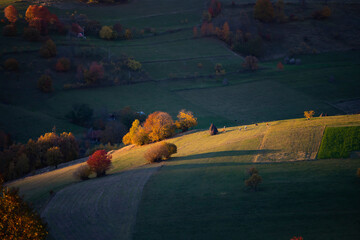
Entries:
{"x":107,"y":33}
{"x":309,"y":114}
{"x":185,"y":120}
{"x":127,"y":139}
{"x":159,"y":125}
{"x":17,"y":219}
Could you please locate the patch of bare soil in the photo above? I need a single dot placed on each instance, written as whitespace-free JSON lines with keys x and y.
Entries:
{"x":102,"y":208}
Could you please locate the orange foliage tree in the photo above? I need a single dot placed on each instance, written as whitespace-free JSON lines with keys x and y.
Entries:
{"x":11,"y":13}
{"x":280,"y":66}
{"x":17,"y":219}
{"x":39,"y":17}
{"x":99,"y":162}
{"x":95,"y":73}
{"x":159,"y":125}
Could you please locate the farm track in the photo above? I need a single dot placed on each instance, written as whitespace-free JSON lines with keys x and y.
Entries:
{"x":102,"y":208}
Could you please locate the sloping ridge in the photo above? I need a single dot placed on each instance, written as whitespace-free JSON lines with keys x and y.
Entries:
{"x":103,"y":208}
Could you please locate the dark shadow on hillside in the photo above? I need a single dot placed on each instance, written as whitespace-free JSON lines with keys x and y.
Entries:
{"x":223,"y":154}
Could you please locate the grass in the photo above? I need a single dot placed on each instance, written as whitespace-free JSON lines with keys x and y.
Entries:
{"x":339,"y":142}
{"x":208,"y":200}
{"x":233,"y":146}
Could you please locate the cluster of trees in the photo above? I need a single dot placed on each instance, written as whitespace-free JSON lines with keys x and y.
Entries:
{"x":158,"y":126}
{"x":39,"y":19}
{"x":49,"y":149}
{"x":118,"y":32}
{"x":18,"y":220}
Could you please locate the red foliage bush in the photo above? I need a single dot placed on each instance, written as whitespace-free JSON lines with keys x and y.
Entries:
{"x":280,"y":66}
{"x":99,"y":162}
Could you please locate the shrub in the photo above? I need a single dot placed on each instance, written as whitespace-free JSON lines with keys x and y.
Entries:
{"x":31,"y":34}
{"x":10,"y":30}
{"x":309,"y":114}
{"x":48,"y":50}
{"x":159,"y":152}
{"x":185,"y":120}
{"x":159,"y":125}
{"x":20,"y":219}
{"x":11,"y":13}
{"x":219,"y":69}
{"x":45,"y":83}
{"x":172,"y":149}
{"x":95,"y":73}
{"x":264,"y":10}
{"x":11,"y":64}
{"x":99,"y":162}
{"x":322,"y":14}
{"x":54,"y":156}
{"x":253,"y":181}
{"x":213,"y":129}
{"x":63,"y":65}
{"x":128,"y":34}
{"x":280,"y":66}
{"x":82,"y":172}
{"x":107,"y":33}
{"x":250,"y":63}
{"x":132,"y":64}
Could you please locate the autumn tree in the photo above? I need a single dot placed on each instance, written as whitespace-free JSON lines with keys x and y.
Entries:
{"x":297,"y":238}
{"x":99,"y":162}
{"x":54,"y":156}
{"x":11,"y":14}
{"x":214,"y":8}
{"x":107,"y":33}
{"x":128,"y":138}
{"x":40,"y":17}
{"x":185,"y":120}
{"x":45,"y":84}
{"x":250,"y":63}
{"x":69,"y":146}
{"x":226,"y":32}
{"x":159,"y":125}
{"x":17,"y":219}
{"x":264,"y":10}
{"x":94,"y":73}
{"x":63,"y":65}
{"x":309,"y":114}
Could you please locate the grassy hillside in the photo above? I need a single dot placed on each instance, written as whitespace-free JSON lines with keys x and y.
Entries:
{"x":257,"y":143}
{"x":339,"y":142}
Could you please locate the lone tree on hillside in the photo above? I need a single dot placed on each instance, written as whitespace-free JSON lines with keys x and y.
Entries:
{"x":253,"y":181}
{"x":309,"y":114}
{"x":17,"y":218}
{"x":213,"y":129}
{"x":99,"y":162}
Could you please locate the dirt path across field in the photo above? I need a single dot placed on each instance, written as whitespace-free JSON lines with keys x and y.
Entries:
{"x":99,"y":209}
